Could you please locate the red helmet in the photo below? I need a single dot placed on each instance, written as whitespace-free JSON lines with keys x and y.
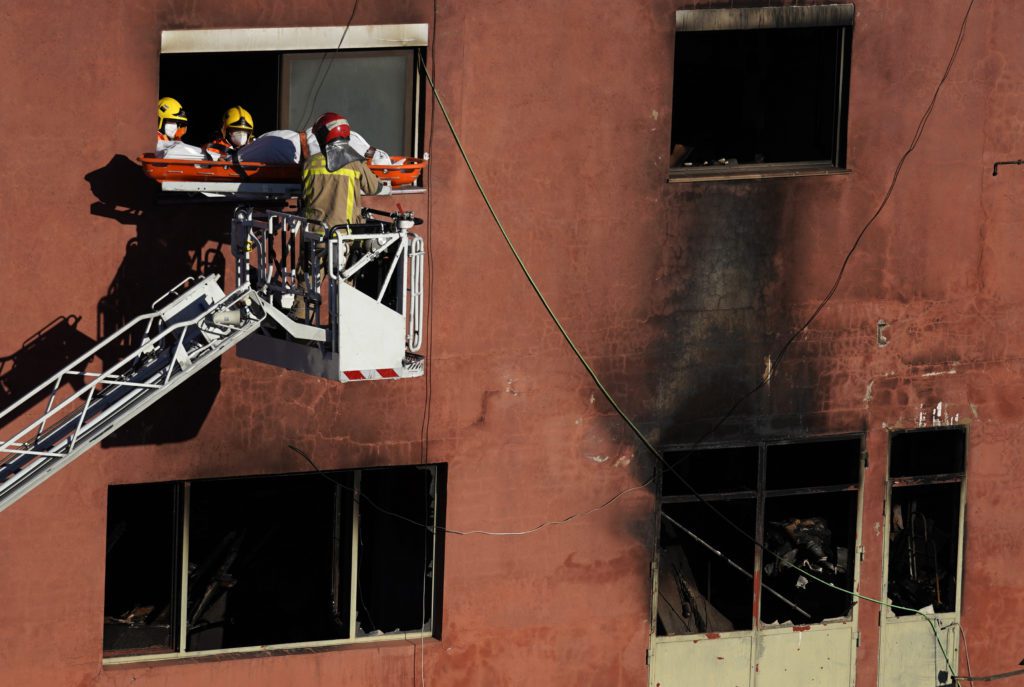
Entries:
{"x":329,"y":127}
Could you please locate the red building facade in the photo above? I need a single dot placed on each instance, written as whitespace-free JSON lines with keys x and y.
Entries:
{"x":679,"y":283}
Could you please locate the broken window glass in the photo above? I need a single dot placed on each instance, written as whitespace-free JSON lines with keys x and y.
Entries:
{"x":711,"y":471}
{"x":926,"y":480}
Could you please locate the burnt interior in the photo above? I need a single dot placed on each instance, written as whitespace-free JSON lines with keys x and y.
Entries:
{"x":926,"y":475}
{"x":800,"y":498}
{"x":761,"y":95}
{"x":698,"y":590}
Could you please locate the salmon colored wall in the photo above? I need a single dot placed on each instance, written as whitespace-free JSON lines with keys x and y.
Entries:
{"x":676,"y":292}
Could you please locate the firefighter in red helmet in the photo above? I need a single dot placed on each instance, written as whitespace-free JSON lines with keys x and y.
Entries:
{"x":335,"y":179}
{"x":334,"y":182}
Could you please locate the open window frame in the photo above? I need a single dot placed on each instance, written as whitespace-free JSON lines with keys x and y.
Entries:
{"x":735,"y":114}
{"x":286,"y":77}
{"x":214,"y":542}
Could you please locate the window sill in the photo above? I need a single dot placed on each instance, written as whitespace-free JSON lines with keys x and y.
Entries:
{"x":824,"y":626}
{"x":377,"y":641}
{"x":678,"y":175}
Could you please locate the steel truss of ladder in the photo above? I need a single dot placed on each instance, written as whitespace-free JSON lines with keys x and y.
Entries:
{"x":155,"y":353}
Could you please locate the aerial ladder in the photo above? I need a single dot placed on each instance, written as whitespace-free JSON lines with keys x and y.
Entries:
{"x":361,"y":286}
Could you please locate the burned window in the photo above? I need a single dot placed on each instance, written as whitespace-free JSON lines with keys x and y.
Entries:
{"x":210,"y":565}
{"x":926,"y":478}
{"x":799,"y":499}
{"x":760,"y":90}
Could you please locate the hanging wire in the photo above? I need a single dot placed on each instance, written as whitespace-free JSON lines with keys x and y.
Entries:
{"x":307,"y":111}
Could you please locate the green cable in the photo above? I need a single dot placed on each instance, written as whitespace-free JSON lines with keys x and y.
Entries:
{"x":607,"y":395}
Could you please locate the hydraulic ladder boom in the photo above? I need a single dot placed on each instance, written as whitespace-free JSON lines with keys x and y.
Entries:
{"x":374,"y":313}
{"x":165,"y":347}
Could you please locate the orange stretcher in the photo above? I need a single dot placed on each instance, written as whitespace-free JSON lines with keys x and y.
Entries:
{"x":171,"y":169}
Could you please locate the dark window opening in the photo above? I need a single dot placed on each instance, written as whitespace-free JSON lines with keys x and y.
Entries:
{"x":260,"y":562}
{"x":140,"y":607}
{"x":756,"y":96}
{"x":716,"y":471}
{"x":698,"y":590}
{"x":927,"y":452}
{"x":926,"y":477}
{"x":814,"y":534}
{"x":395,"y":575}
{"x":281,"y":560}
{"x":813,"y":464}
{"x":800,"y":498}
{"x":373,"y":89}
{"x":207,"y":84}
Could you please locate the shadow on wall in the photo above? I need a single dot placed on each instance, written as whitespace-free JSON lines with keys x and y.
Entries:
{"x":171,"y":244}
{"x":53,"y":347}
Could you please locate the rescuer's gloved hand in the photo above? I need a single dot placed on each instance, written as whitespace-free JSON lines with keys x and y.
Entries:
{"x":385,"y":188}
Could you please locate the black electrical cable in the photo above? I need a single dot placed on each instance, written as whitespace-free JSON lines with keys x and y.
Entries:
{"x":990,"y":678}
{"x":307,"y":111}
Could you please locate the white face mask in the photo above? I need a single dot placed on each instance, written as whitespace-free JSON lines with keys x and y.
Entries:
{"x":170,"y":128}
{"x":238,"y":138}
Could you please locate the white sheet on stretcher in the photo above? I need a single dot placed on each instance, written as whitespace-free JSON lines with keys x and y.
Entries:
{"x":178,"y":150}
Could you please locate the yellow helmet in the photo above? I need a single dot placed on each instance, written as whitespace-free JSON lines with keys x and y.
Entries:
{"x":169,"y":109}
{"x":236,"y":117}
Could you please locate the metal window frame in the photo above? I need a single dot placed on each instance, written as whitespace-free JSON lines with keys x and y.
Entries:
{"x":839,"y":16}
{"x":759,"y":629}
{"x":182,"y":591}
{"x":324,"y":38}
{"x":411,"y":90}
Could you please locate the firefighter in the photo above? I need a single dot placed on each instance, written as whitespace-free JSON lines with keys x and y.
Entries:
{"x":235,"y":131}
{"x":335,"y":179}
{"x":333,"y":184}
{"x":171,"y":120}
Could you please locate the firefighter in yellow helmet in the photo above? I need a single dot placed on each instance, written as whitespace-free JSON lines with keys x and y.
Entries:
{"x":235,"y":131}
{"x":171,"y":120}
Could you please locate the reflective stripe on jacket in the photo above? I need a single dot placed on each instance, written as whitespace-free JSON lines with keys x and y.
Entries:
{"x":336,"y":197}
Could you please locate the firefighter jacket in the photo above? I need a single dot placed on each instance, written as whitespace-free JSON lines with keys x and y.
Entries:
{"x":336,"y":197}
